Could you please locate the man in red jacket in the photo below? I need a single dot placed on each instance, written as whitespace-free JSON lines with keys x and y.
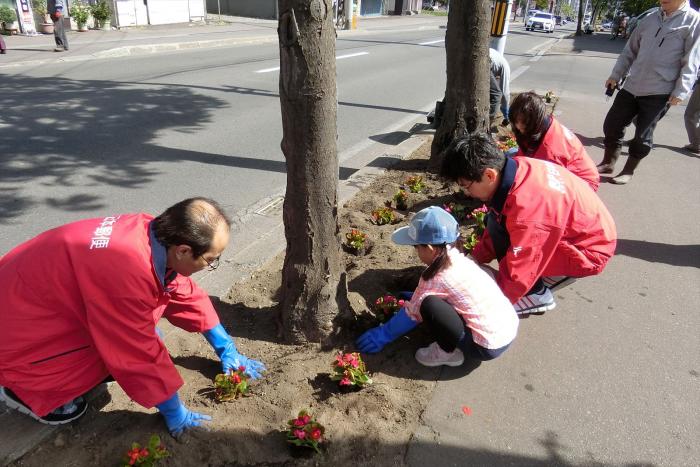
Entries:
{"x":79,"y":304}
{"x":543,"y":220}
{"x":541,"y":136}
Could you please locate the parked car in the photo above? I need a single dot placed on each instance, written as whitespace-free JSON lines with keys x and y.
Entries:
{"x":634,"y":21}
{"x":606,"y":25}
{"x":530,"y":14}
{"x":541,"y":21}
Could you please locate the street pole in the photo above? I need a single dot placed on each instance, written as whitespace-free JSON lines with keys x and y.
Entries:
{"x":499,"y":24}
{"x":348,"y":13}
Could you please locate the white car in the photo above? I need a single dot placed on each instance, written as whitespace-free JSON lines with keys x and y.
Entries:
{"x":540,"y":21}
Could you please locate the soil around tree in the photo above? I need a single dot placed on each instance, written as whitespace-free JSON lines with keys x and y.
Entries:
{"x":372,"y":426}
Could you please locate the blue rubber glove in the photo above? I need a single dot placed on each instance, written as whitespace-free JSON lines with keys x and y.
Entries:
{"x":178,"y":418}
{"x":375,"y":339}
{"x":224,"y":347}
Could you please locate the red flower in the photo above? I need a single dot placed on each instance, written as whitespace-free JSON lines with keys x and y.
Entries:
{"x":306,"y":419}
{"x":401,"y":303}
{"x":315,"y":434}
{"x":301,"y":434}
{"x":299,"y":422}
{"x":345,"y":382}
{"x":144,"y":452}
{"x":241,"y":369}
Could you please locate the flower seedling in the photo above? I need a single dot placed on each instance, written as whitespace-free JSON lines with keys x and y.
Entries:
{"x":507,"y":143}
{"x":355,"y":239}
{"x":549,"y":96}
{"x":349,"y":370}
{"x":458,"y":211}
{"x":383,"y":216}
{"x":147,"y":456}
{"x":305,"y":431}
{"x":385,"y":307}
{"x":415,"y":184}
{"x":231,"y":386}
{"x":401,"y":200}
{"x":479,"y":216}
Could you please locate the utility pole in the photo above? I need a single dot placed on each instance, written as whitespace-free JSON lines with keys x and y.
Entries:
{"x":500,"y":20}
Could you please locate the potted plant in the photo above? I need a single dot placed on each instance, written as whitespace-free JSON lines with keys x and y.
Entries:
{"x":146,"y":456}
{"x":304,"y":432}
{"x":45,"y":24}
{"x":415,"y":184}
{"x":101,"y":12}
{"x":350,"y":371}
{"x":80,"y":12}
{"x":356,"y":242}
{"x":8,"y":18}
{"x":231,"y":386}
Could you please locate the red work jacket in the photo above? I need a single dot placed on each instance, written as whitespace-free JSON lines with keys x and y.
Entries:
{"x":81,"y":302}
{"x":557,"y":226}
{"x":561,"y":146}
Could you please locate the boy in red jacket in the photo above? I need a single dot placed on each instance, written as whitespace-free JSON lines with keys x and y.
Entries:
{"x":543,"y":220}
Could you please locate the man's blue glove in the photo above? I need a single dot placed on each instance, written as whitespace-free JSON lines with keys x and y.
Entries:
{"x":375,"y":339}
{"x":177,"y":417}
{"x":230,"y":358}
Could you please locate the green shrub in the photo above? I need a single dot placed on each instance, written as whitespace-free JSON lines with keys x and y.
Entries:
{"x":80,"y":12}
{"x":7,"y":15}
{"x":100,"y":11}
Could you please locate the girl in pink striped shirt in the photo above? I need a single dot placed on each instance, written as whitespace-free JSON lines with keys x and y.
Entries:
{"x":460,"y":302}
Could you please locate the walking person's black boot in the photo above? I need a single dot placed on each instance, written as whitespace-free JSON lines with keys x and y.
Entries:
{"x":627,"y":171}
{"x":609,"y":159}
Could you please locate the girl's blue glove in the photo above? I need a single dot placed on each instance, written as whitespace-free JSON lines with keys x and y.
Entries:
{"x":178,"y":418}
{"x":230,"y":358}
{"x":375,"y":339}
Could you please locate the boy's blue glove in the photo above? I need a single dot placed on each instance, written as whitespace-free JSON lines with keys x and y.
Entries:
{"x":375,"y":339}
{"x":177,"y":417}
{"x":230,"y":358}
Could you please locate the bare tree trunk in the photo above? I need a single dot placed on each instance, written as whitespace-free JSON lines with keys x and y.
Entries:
{"x":312,"y":283}
{"x":466,"y":105}
{"x":579,"y":31}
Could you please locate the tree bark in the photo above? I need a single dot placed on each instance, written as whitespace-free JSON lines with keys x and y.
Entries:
{"x":466,"y":104}
{"x":579,"y":30}
{"x":312,"y":282}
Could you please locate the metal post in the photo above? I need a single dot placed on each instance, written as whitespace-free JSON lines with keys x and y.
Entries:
{"x":499,"y":42}
{"x":218,"y":6}
{"x":348,"y":13}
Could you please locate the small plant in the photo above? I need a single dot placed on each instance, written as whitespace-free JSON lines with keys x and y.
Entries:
{"x":355,"y":239}
{"x":7,"y":15}
{"x":148,"y":456}
{"x":350,"y":371}
{"x":458,"y":211}
{"x":305,"y":431}
{"x":549,"y":96}
{"x":80,"y":12}
{"x":39,"y":7}
{"x":401,"y":200}
{"x":101,"y":12}
{"x":507,"y":143}
{"x":231,"y":386}
{"x":415,"y":184}
{"x":383,"y":216}
{"x":479,"y":216}
{"x":386,"y":306}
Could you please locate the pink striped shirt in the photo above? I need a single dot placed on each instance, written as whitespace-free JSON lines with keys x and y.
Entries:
{"x":474,"y":294}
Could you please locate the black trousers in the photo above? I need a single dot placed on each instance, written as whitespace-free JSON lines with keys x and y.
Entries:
{"x":648,"y":110}
{"x":451,"y":331}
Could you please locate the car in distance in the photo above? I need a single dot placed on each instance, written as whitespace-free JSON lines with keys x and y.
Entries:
{"x":540,"y":21}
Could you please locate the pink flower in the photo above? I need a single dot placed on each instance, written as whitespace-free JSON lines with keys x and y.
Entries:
{"x":402,"y":303}
{"x":301,"y":434}
{"x":339,"y":361}
{"x":447,"y":208}
{"x":306,"y":419}
{"x":236,"y":379}
{"x":345,"y":382}
{"x":241,"y":369}
{"x":315,"y":434}
{"x":299,"y":422}
{"x":144,"y":452}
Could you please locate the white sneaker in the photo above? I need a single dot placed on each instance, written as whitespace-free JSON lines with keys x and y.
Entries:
{"x":535,"y":303}
{"x":433,"y":355}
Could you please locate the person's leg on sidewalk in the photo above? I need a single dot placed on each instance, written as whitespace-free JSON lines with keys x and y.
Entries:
{"x":692,"y":121}
{"x":59,"y":34}
{"x":619,"y":117}
{"x":447,"y":327}
{"x":651,"y":110}
{"x":3,"y":47}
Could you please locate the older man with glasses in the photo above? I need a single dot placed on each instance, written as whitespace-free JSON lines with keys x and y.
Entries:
{"x":79,"y":304}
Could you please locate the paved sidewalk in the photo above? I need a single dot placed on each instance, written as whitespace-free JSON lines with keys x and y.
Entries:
{"x":231,"y":31}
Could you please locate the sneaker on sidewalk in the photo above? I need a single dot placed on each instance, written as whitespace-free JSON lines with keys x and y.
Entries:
{"x":433,"y":355}
{"x":64,"y":414}
{"x":692,"y":148}
{"x":535,"y":303}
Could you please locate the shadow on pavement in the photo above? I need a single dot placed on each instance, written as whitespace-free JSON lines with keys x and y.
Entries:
{"x":674,"y":255}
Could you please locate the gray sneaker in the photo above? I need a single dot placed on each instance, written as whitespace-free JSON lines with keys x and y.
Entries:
{"x":64,"y":414}
{"x":433,"y":355}
{"x":535,"y":303}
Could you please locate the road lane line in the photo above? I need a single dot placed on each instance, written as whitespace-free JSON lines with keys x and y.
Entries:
{"x":432,"y":42}
{"x":338,"y":57}
{"x":518,"y":71}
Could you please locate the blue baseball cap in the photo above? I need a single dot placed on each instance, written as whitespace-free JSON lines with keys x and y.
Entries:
{"x":430,"y":226}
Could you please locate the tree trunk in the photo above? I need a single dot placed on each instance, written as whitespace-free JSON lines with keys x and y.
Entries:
{"x":579,"y":31}
{"x":312,"y":283}
{"x":466,"y":104}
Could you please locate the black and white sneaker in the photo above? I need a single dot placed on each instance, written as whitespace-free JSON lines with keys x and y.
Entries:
{"x":535,"y":303}
{"x":64,"y":414}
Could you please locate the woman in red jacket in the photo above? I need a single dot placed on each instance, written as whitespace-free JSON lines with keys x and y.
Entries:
{"x":541,"y":136}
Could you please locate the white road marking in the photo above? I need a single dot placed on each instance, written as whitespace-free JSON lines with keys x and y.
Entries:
{"x":518,"y":71}
{"x":432,"y":42}
{"x":338,"y":57}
